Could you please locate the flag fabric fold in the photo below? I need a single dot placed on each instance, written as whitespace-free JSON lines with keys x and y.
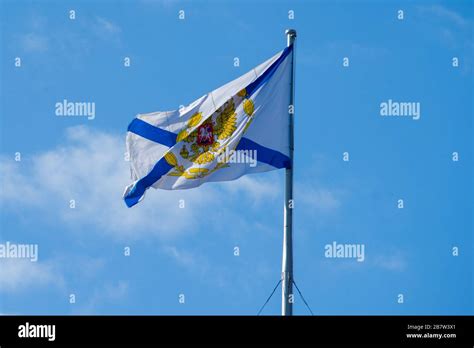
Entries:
{"x":237,"y":129}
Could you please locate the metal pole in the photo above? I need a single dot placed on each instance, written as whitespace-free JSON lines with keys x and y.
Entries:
{"x":287,"y":259}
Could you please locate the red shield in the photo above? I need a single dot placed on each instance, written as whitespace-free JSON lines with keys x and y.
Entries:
{"x":205,"y":134}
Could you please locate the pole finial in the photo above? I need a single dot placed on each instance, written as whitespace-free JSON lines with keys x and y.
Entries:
{"x":290,"y":36}
{"x":290,"y":32}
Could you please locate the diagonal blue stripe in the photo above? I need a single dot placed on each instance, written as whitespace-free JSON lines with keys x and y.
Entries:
{"x":150,"y":132}
{"x":164,"y":137}
{"x":138,"y":190}
{"x":265,"y":154}
{"x":252,"y":87}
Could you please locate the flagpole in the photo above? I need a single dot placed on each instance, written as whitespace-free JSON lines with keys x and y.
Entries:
{"x":287,"y":259}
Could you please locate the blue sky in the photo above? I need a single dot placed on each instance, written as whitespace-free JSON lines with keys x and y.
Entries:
{"x":190,"y":251}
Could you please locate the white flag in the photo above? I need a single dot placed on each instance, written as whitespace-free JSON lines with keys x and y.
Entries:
{"x":237,"y":129}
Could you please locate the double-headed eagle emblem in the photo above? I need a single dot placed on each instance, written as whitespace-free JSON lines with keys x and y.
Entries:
{"x":202,"y":144}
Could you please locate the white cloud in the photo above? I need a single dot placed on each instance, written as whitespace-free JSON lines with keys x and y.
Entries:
{"x":259,"y":189}
{"x":195,"y":263}
{"x":446,"y":14}
{"x":106,"y":30}
{"x":184,"y":258}
{"x":90,"y":169}
{"x":68,"y":42}
{"x":22,"y":274}
{"x":116,"y":291}
{"x":321,"y":200}
{"x":393,"y":262}
{"x":108,"y":26}
{"x":32,"y":42}
{"x":103,"y":296}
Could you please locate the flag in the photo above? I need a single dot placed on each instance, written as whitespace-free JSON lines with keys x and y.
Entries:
{"x":237,"y":129}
